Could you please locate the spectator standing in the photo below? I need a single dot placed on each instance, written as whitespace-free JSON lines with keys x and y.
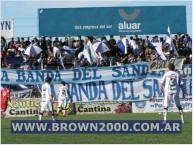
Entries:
{"x":136,"y":38}
{"x":80,"y":39}
{"x":147,"y":42}
{"x":27,"y":42}
{"x":12,"y":50}
{"x":49,"y":41}
{"x":18,"y":42}
{"x":3,"y":44}
{"x":112,"y":42}
{"x":11,"y":42}
{"x":187,"y":41}
{"x":66,"y":42}
{"x":56,"y":42}
{"x":43,"y":43}
{"x":50,"y":58}
{"x":132,"y":42}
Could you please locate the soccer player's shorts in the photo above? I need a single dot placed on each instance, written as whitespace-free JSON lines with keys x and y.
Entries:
{"x":47,"y":106}
{"x":4,"y":106}
{"x":62,"y":103}
{"x":169,"y":98}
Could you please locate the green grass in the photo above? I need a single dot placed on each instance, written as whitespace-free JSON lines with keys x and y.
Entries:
{"x":183,"y":138}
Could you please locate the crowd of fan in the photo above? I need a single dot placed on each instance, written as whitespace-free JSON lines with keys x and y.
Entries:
{"x":138,"y":49}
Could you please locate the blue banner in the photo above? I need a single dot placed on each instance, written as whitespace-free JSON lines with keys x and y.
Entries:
{"x":111,"y":20}
{"x":133,"y":71}
{"x":95,"y":126}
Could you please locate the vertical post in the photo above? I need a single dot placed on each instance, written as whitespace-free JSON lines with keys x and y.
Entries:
{"x":111,"y":61}
{"x":42,"y":64}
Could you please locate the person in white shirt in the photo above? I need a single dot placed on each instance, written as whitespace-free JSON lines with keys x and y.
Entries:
{"x":47,"y":100}
{"x":170,"y":82}
{"x":132,"y":42}
{"x":62,"y":96}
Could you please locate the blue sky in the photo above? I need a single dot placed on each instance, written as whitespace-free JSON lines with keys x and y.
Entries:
{"x":25,"y":15}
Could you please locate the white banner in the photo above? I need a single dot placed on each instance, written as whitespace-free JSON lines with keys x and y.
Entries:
{"x":21,"y":94}
{"x":159,"y":65}
{"x":157,"y":106}
{"x":121,"y":91}
{"x":7,"y":26}
{"x":23,"y":107}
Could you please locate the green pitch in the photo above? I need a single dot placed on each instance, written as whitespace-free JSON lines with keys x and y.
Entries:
{"x":183,"y":138}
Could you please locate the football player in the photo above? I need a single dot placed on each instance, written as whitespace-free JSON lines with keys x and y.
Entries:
{"x":5,"y":97}
{"x":47,"y":100}
{"x":62,"y":95}
{"x":170,"y":82}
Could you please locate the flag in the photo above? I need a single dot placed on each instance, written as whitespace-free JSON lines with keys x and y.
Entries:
{"x":61,"y":62}
{"x":24,"y":57}
{"x":122,"y":45}
{"x":89,"y":53}
{"x":92,"y":53}
{"x":55,"y":50}
{"x":68,"y":49}
{"x":170,"y":41}
{"x":158,"y":48}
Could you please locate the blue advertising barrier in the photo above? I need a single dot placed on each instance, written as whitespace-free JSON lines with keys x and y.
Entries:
{"x":111,"y":20}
